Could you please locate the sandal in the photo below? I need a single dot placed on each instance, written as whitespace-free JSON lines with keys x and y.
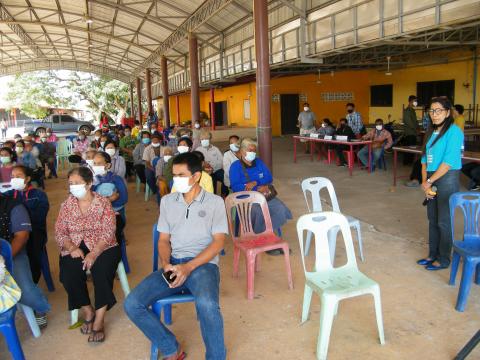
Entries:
{"x":97,"y":336}
{"x":181,"y":356}
{"x":86,"y":328}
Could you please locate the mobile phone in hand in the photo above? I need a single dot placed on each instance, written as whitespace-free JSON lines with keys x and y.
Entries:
{"x":167,"y":275}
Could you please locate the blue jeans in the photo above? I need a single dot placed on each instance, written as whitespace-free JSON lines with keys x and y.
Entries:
{"x":363,"y":155}
{"x":32,"y":295}
{"x":203,"y":283}
{"x":439,"y":222}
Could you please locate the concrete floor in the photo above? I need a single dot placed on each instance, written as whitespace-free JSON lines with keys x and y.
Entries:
{"x":418,"y":306}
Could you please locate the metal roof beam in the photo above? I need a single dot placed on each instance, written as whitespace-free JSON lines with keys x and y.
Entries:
{"x":198,"y":18}
{"x":18,"y":30}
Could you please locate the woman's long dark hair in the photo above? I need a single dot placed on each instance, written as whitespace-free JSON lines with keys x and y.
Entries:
{"x":447,"y":105}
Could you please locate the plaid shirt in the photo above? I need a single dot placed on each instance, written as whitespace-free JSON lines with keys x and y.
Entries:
{"x":355,"y":122}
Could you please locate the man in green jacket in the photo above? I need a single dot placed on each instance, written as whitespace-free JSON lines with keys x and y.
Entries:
{"x":410,"y":125}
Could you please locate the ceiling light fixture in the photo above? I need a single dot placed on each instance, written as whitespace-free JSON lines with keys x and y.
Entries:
{"x":388,"y":73}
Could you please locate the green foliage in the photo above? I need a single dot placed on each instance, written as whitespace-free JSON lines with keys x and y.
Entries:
{"x":33,"y":92}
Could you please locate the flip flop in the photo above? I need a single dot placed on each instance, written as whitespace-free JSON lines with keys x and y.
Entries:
{"x":87,"y":322}
{"x":93,"y":336}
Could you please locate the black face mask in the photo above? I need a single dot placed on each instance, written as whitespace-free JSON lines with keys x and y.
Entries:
{"x":350,"y":111}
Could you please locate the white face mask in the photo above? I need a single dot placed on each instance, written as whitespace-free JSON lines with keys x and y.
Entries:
{"x":17,"y":184}
{"x":167,"y":157}
{"x":110,"y":152}
{"x":102,"y":143}
{"x":234,"y":147}
{"x":79,"y":191}
{"x":99,"y":170}
{"x":81,"y":137}
{"x":19,"y":150}
{"x":324,"y":125}
{"x":5,"y":159}
{"x":197,"y":126}
{"x":415,"y":104}
{"x":89,"y":163}
{"x":182,"y":149}
{"x":155,"y":145}
{"x":379,"y":127}
{"x":97,"y":138}
{"x":306,"y":108}
{"x":250,"y":156}
{"x":205,"y":143}
{"x":181,"y":184}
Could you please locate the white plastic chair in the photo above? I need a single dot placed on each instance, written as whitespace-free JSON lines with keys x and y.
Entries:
{"x":122,"y":275}
{"x":314,"y":185}
{"x":333,"y":284}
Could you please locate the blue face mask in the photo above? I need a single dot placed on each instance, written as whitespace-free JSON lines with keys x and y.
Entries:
{"x":146,"y":141}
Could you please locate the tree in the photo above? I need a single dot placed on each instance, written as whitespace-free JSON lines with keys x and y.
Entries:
{"x":33,"y":92}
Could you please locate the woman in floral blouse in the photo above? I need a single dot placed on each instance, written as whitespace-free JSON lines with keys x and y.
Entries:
{"x":85,"y":234}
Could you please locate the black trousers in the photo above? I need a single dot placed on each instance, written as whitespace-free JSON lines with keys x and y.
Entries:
{"x":339,"y":149}
{"x":129,"y":169}
{"x":74,"y":278}
{"x":409,"y":140}
{"x":416,"y":173}
{"x":140,"y":170}
{"x":472,"y":171}
{"x":217,"y":176}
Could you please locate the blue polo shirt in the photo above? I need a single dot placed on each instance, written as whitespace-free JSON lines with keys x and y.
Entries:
{"x":19,"y":220}
{"x":448,"y":150}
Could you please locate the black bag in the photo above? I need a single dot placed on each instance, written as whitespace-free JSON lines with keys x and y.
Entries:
{"x":269,"y":194}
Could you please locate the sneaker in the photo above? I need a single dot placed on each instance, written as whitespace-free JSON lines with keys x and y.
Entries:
{"x":475,"y":188}
{"x":412,"y":183}
{"x":41,"y":320}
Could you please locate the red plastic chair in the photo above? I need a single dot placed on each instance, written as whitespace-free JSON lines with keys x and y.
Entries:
{"x":251,"y":244}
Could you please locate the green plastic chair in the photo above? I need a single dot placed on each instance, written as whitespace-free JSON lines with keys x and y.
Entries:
{"x":333,"y":284}
{"x":64,"y":150}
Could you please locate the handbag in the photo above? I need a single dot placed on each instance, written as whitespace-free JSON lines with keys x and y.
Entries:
{"x":270,"y":193}
{"x":10,"y":293}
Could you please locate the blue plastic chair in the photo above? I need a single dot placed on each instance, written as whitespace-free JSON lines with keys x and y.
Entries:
{"x":469,"y":248}
{"x":45,"y":266}
{"x":7,"y":318}
{"x":165,"y":303}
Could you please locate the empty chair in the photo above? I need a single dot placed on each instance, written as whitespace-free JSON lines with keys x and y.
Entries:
{"x":469,"y":248}
{"x":333,"y":284}
{"x":247,"y":241}
{"x":314,"y":185}
{"x":64,"y":150}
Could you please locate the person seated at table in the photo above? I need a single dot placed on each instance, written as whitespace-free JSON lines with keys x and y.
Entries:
{"x":213,"y":158}
{"x":36,"y":202}
{"x":382,"y":139}
{"x":85,"y":235}
{"x":96,"y":139}
{"x":343,"y":130}
{"x":25,"y":157}
{"x":80,"y":144}
{"x":472,"y":171}
{"x":118,"y":162}
{"x":47,"y":155}
{"x":327,"y":128}
{"x":6,"y":164}
{"x":189,"y":246}
{"x":151,"y":155}
{"x":229,"y":157}
{"x":251,"y":174}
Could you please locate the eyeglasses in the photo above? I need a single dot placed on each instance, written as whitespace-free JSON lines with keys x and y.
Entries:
{"x":436,"y":111}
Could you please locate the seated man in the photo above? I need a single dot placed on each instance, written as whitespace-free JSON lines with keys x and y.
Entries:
{"x":193,"y":227}
{"x":472,"y":171}
{"x":343,"y":130}
{"x":382,"y":139}
{"x":15,"y":228}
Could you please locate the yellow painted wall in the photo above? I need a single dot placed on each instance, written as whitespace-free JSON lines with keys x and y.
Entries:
{"x":359,"y":82}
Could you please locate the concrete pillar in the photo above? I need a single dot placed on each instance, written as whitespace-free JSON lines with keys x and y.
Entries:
{"x":139,"y":100}
{"x":177,"y":100}
{"x":195,"y":87}
{"x":212,"y":107}
{"x":132,"y":102}
{"x":264,"y":127}
{"x":148,"y":85}
{"x":166,"y":98}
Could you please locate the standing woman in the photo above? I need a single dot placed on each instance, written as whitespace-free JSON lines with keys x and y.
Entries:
{"x":85,"y":234}
{"x":36,"y":202}
{"x":441,"y":164}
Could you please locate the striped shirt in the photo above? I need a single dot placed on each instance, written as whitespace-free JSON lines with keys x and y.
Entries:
{"x":355,"y":122}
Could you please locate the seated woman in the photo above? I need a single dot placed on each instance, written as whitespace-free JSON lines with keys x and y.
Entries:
{"x":111,"y":186}
{"x":206,"y":181}
{"x":118,"y":162}
{"x":24,"y":157}
{"x":85,"y":235}
{"x":36,"y":202}
{"x":6,"y":164}
{"x":80,"y":145}
{"x":229,"y":157}
{"x":327,"y":129}
{"x":251,"y":174}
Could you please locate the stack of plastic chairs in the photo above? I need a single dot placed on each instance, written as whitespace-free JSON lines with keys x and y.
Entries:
{"x":333,"y":284}
{"x":469,"y":248}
